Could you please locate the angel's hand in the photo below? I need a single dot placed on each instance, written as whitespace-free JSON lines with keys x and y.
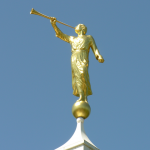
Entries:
{"x":53,"y":20}
{"x":100,"y":58}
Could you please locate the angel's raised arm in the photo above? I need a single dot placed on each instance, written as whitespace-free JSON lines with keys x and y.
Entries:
{"x":58,"y":32}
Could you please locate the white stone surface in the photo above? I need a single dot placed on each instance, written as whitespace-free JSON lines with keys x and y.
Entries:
{"x":79,"y":140}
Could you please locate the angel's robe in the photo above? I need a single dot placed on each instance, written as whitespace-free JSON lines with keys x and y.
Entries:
{"x":80,"y":47}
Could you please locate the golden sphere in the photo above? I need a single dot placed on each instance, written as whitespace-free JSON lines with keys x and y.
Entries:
{"x":81,"y":109}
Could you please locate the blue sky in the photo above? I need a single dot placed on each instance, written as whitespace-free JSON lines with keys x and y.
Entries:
{"x":35,"y":74}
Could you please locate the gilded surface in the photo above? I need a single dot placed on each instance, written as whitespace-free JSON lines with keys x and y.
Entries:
{"x":33,"y":11}
{"x":80,"y":47}
{"x":81,"y":109}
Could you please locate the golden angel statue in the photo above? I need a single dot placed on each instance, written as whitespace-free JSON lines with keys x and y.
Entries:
{"x":80,"y":47}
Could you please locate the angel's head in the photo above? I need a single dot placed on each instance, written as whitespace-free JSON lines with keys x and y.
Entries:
{"x":81,"y":29}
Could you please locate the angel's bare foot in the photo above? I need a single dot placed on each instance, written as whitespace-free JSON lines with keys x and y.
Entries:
{"x":86,"y":100}
{"x":80,"y":98}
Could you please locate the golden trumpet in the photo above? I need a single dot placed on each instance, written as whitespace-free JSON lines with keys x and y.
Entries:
{"x":33,"y":11}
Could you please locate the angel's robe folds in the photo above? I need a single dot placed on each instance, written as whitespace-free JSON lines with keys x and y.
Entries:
{"x":79,"y":60}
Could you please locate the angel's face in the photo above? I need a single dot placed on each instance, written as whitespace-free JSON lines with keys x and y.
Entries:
{"x":80,"y":29}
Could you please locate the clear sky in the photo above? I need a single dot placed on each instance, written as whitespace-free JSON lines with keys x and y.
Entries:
{"x":35,"y":74}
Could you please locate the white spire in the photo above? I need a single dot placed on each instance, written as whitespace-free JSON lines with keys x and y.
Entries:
{"x":79,"y":140}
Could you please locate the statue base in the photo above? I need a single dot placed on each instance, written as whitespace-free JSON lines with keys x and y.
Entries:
{"x":81,"y":109}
